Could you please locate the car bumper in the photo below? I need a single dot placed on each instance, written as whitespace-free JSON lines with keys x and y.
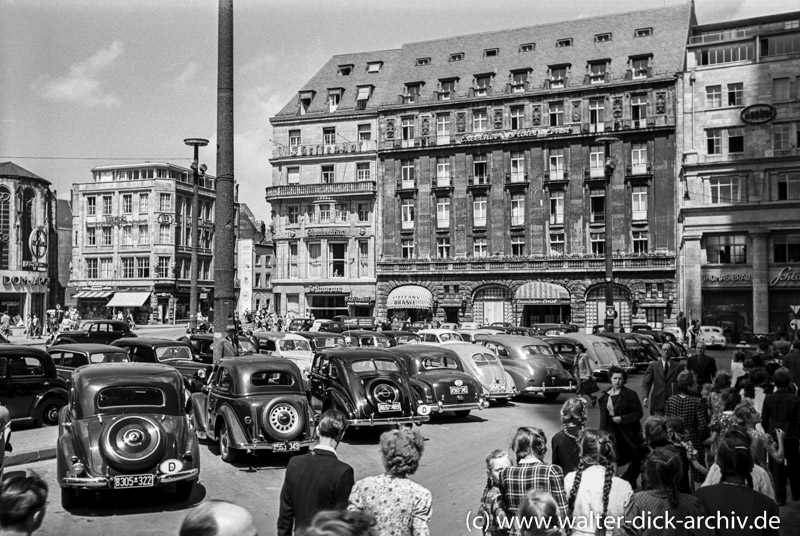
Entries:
{"x":440,"y":407}
{"x":544,"y":388}
{"x":417,"y":419}
{"x":494,"y":395}
{"x":265,"y":445}
{"x":102,"y":482}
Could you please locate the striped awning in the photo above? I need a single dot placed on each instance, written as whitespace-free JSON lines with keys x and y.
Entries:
{"x":93,"y":294}
{"x":538,"y":292}
{"x":129,"y":299}
{"x":410,"y":297}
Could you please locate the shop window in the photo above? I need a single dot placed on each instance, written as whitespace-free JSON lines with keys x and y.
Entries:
{"x":786,"y":248}
{"x":726,"y":249}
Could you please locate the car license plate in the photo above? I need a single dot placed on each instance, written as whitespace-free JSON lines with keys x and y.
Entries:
{"x":552,"y":372}
{"x":459,"y":390}
{"x":134,"y":481}
{"x":394,"y":406}
{"x":286,"y":446}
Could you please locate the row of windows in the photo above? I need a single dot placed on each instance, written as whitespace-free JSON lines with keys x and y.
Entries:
{"x":336,"y":264}
{"x":126,"y":203}
{"x":783,"y":186}
{"x":140,"y":268}
{"x":746,"y":50}
{"x":328,"y":213}
{"x":329,"y":135}
{"x":732,"y":140}
{"x":130,"y":236}
{"x":733,"y":95}
{"x":732,"y":249}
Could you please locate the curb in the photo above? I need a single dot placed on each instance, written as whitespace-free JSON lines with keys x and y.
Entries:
{"x":30,"y":456}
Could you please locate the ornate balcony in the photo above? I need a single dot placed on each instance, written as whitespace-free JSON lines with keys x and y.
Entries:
{"x":329,"y":149}
{"x":290,"y":191}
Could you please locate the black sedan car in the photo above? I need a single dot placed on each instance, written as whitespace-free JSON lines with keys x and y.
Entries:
{"x":371,"y":386}
{"x":68,"y":357}
{"x":440,"y":379}
{"x":125,"y":427}
{"x":177,"y":354}
{"x":634,"y":346}
{"x":202,"y":345}
{"x":30,"y":387}
{"x":94,"y":331}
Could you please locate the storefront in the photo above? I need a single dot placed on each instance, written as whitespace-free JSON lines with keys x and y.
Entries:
{"x":91,"y":304}
{"x":137,"y":303}
{"x":360,"y":305}
{"x":325,"y":302}
{"x":410,"y":302}
{"x":727,"y":299}
{"x":542,"y":303}
{"x":596,"y":308}
{"x":784,"y":298}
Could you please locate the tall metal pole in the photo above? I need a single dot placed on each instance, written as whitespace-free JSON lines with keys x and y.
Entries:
{"x":224,"y":224}
{"x":196,"y":143}
{"x":609,"y":167}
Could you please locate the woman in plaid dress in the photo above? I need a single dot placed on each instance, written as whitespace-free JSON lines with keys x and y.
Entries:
{"x":690,"y":408}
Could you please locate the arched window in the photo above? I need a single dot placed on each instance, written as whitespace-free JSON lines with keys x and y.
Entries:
{"x":5,"y":227}
{"x":27,"y":223}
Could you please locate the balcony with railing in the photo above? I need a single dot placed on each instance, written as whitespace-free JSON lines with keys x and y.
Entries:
{"x":556,"y":176}
{"x":639,"y":170}
{"x":406,"y":185}
{"x":442,"y":182}
{"x":289,"y":191}
{"x":479,"y":181}
{"x":593,"y":173}
{"x":323,"y":149}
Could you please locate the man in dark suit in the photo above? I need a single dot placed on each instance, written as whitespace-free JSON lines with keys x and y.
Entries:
{"x":317,"y":480}
{"x":781,"y":410}
{"x":659,"y":381}
{"x":703,"y":366}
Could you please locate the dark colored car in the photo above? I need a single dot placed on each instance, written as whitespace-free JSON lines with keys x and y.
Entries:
{"x":440,"y":379}
{"x":518,"y":330}
{"x":416,"y":326}
{"x":661,"y":337}
{"x":68,"y":357}
{"x":125,"y":427}
{"x":634,"y":346}
{"x":252,"y":403}
{"x":320,"y":340}
{"x":202,"y":345}
{"x":369,"y":385}
{"x":554,"y":329}
{"x":360,"y":338}
{"x":95,"y":331}
{"x":176,"y":354}
{"x":300,"y":324}
{"x":30,"y":387}
{"x":564,"y":349}
{"x":396,"y":338}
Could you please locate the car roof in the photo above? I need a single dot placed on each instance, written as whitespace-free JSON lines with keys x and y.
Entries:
{"x":362,"y":332}
{"x":123,"y":373}
{"x":393,"y":333}
{"x":149,"y":341}
{"x":321,"y":334}
{"x":357,"y":354}
{"x":20,"y":349}
{"x":513,"y":340}
{"x":420,"y":351}
{"x":86,"y":347}
{"x":465,"y":347}
{"x":257,"y":362}
{"x":583,"y":337}
{"x":437,"y":331}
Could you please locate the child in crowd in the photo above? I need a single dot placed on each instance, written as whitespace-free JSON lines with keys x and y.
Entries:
{"x":492,"y":503}
{"x":762,"y":445}
{"x":676,"y":431}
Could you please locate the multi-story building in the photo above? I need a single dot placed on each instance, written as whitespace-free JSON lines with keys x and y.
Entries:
{"x":740,"y":198}
{"x":28,"y":243}
{"x":493,"y":198}
{"x":132,"y":242}
{"x":254,"y":252}
{"x":323,"y":192}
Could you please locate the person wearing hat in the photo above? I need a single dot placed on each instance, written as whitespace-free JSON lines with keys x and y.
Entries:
{"x":227,"y":346}
{"x":659,"y":381}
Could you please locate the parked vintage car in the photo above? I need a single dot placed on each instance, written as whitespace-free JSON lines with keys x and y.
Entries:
{"x":125,"y":427}
{"x":438,"y":336}
{"x":519,"y":330}
{"x":484,"y":365}
{"x":678,"y":350}
{"x":30,"y":387}
{"x":177,"y":354}
{"x":472,"y":335}
{"x":94,"y":331}
{"x":360,"y":338}
{"x":319,"y":339}
{"x":342,"y":323}
{"x":68,"y":357}
{"x":291,"y":346}
{"x":712,"y":336}
{"x":564,"y":349}
{"x":254,"y":403}
{"x":369,"y":385}
{"x":532,"y":364}
{"x":634,"y":346}
{"x":396,"y":338}
{"x":452,"y":326}
{"x":440,"y":380}
{"x":202,"y":345}
{"x":603,"y":353}
{"x":554,"y":329}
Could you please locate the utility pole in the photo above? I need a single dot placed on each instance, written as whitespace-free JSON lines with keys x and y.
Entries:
{"x":610,"y":166}
{"x":197,"y":170}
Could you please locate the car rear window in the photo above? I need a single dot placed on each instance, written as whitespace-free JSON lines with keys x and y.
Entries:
{"x":450,"y":337}
{"x":328,"y":342}
{"x":289,"y":345}
{"x":109,"y":357}
{"x":114,"y":397}
{"x":483,"y":360}
{"x":369,"y":365}
{"x":438,"y":362}
{"x":173,"y":352}
{"x":537,"y":350}
{"x":271,"y":377}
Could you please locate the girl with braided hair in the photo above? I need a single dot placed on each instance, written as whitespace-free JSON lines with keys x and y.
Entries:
{"x":663,"y":471}
{"x":565,"y":450}
{"x":758,"y":478}
{"x":593,"y":488}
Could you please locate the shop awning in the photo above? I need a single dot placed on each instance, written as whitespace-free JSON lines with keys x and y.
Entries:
{"x":93,"y":294}
{"x":129,"y":299}
{"x":410,"y":297}
{"x":538,"y":292}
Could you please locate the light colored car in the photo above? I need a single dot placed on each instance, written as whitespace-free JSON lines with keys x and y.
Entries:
{"x":291,"y":346}
{"x":484,"y":365}
{"x":473,"y":335}
{"x":675,"y":330}
{"x":438,"y":336}
{"x":449,"y":325}
{"x":364,"y":338}
{"x":712,"y":336}
{"x":469,"y":325}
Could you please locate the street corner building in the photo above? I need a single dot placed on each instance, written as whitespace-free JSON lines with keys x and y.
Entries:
{"x":463,"y":178}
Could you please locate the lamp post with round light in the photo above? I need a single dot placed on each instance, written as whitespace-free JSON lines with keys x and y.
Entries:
{"x":197,"y":171}
{"x":609,"y":167}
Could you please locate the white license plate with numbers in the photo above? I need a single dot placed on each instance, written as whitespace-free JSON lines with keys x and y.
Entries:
{"x":134,"y":481}
{"x":286,"y":446}
{"x":395,"y":406}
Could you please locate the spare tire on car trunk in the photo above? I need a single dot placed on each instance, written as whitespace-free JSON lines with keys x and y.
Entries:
{"x":283,"y":418}
{"x":132,"y":443}
{"x":384,"y":391}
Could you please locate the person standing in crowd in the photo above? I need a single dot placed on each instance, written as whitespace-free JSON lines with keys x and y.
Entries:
{"x":735,"y":492}
{"x":227,"y":346}
{"x":663,"y":471}
{"x":582,"y":370}
{"x":620,"y":415}
{"x":792,"y":362}
{"x":318,"y":480}
{"x":23,"y":502}
{"x":37,"y":327}
{"x":737,"y":367}
{"x":659,"y":381}
{"x":703,"y":366}
{"x":538,"y":515}
{"x":493,"y":507}
{"x":781,"y":411}
{"x":593,"y":489}
{"x":759,"y":479}
{"x":401,"y":507}
{"x":720,"y":422}
{"x":693,"y":333}
{"x":564,"y":445}
{"x":529,"y":446}
{"x":755,"y":391}
{"x":218,"y":518}
{"x":688,"y":407}
{"x":5,"y":324}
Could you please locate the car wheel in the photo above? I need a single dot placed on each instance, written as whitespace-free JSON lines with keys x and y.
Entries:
{"x":184,"y":489}
{"x":47,"y":413}
{"x":226,"y":451}
{"x":69,"y":498}
{"x":462,"y":414}
{"x":551,"y":396}
{"x":132,"y":443}
{"x":283,"y":418}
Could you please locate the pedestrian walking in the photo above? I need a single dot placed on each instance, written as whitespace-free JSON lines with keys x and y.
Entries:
{"x":28,"y":327}
{"x":493,"y":507}
{"x":782,"y":412}
{"x":620,"y":415}
{"x":5,"y":324}
{"x":703,"y":366}
{"x":564,"y":445}
{"x":759,"y":479}
{"x":37,"y":327}
{"x":689,"y":408}
{"x":317,"y":480}
{"x":582,"y":370}
{"x":659,"y":381}
{"x":227,"y":346}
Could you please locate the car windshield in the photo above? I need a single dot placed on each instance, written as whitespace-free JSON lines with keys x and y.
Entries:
{"x":405,"y":339}
{"x":173,"y":352}
{"x":271,"y":377}
{"x":247,"y":347}
{"x":86,"y":325}
{"x":109,"y":357}
{"x":439,"y":362}
{"x":538,"y":350}
{"x":370,"y":365}
{"x":114,"y":397}
{"x":449,"y":337}
{"x":329,"y":342}
{"x":288,"y":345}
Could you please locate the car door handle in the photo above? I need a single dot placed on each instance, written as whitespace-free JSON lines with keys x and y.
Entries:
{"x":45,"y":383}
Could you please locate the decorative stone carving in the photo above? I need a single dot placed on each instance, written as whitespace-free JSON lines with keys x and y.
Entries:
{"x":498,"y":118}
{"x":426,"y":125}
{"x":390,"y":129}
{"x":661,"y":102}
{"x":617,"y":106}
{"x":461,"y":122}
{"x":536,"y":115}
{"x":576,"y":111}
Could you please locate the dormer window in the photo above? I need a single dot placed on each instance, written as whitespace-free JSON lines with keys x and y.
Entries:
{"x":423,"y":61}
{"x":345,"y":70}
{"x":519,"y":81}
{"x":364,"y":93}
{"x":374,"y":66}
{"x":602,"y":38}
{"x":491,"y":52}
{"x":334,"y":98}
{"x":643,"y":32}
{"x":527,"y":47}
{"x":640,"y":67}
{"x":561,"y":43}
{"x":447,"y":89}
{"x":483,"y":82}
{"x":558,"y":76}
{"x":305,"y":101}
{"x":458,"y":56}
{"x":597,"y":71}
{"x":412,"y":92}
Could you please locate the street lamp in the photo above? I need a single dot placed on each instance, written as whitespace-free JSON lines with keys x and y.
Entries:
{"x":196,"y":172}
{"x":609,"y":167}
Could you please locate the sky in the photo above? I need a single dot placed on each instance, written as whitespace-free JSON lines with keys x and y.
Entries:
{"x":85,"y":83}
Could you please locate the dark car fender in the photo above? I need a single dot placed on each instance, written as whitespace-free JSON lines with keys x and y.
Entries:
{"x":235,"y":429}
{"x":58,"y":393}
{"x":340,"y":401}
{"x":65,"y":450}
{"x":520,"y":378}
{"x":422,"y":389}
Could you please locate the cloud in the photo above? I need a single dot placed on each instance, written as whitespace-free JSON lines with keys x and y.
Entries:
{"x":188,"y":79}
{"x":82,"y":84}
